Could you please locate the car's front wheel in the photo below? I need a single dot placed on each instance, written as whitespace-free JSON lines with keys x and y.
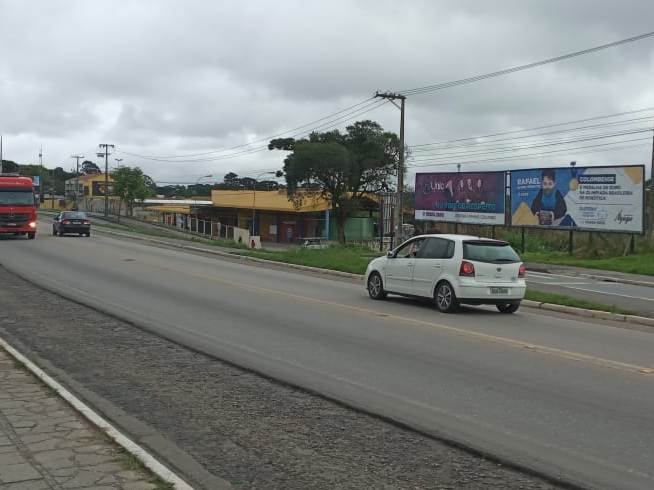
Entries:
{"x":376,"y":286}
{"x":31,"y":235}
{"x":508,"y":308}
{"x":445,"y":298}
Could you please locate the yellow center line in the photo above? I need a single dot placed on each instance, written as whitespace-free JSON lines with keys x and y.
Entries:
{"x":461,"y":332}
{"x":553,"y":351}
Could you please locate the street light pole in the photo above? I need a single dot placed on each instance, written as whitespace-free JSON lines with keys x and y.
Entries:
{"x":106,"y":175}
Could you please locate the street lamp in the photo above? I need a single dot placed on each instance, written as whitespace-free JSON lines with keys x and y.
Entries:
{"x":254,"y":195}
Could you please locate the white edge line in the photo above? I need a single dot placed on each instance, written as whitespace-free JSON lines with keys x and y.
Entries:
{"x":130,"y":446}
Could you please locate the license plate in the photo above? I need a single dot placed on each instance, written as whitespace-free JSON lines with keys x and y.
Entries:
{"x":499,"y":290}
{"x":76,"y":222}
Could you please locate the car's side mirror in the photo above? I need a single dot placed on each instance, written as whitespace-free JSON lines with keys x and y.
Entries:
{"x":390,"y":254}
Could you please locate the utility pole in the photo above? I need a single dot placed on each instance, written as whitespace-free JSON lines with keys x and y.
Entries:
{"x":0,"y":153}
{"x":398,"y":214}
{"x":41,"y":183}
{"x":651,"y":195}
{"x":118,"y":160}
{"x":106,"y":147}
{"x":77,"y":157}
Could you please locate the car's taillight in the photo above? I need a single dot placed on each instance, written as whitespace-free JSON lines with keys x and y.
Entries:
{"x":32,"y":224}
{"x":467,"y":269}
{"x":65,"y":222}
{"x":522,"y":272}
{"x":87,"y":222}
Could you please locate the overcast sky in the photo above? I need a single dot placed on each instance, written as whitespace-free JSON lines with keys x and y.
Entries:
{"x":180,"y":77}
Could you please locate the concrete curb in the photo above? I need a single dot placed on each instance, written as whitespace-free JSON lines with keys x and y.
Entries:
{"x":601,"y":315}
{"x":570,"y":310}
{"x":94,"y":418}
{"x":545,"y":269}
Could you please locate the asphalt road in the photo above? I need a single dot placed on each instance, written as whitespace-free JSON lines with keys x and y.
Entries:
{"x":565,"y":396}
{"x":637,"y":299}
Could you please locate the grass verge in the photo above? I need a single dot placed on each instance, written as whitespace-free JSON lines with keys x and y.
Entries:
{"x":339,"y":258}
{"x":631,"y":264}
{"x":561,"y":299}
{"x":132,"y":463}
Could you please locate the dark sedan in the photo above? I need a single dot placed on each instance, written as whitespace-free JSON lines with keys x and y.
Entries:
{"x":71,"y":222}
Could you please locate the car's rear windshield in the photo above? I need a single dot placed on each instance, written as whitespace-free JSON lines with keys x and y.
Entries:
{"x":75,"y":215}
{"x":16,"y":197}
{"x":495,"y":252}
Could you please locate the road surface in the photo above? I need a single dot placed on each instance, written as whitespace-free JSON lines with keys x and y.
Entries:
{"x":565,"y":396}
{"x":637,"y":299}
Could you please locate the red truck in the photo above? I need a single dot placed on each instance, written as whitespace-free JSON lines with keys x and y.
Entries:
{"x":17,"y":205}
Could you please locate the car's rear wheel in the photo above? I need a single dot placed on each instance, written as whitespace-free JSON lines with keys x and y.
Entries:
{"x":54,"y":231}
{"x":31,"y":236}
{"x":88,"y":233}
{"x":376,"y":286}
{"x":445,"y":298}
{"x":508,"y":308}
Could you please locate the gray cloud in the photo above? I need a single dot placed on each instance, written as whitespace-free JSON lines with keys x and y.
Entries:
{"x":173,"y":77}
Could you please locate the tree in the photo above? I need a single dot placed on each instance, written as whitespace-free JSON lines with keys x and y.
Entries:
{"x":89,"y":168}
{"x":130,"y":186}
{"x":340,"y":168}
{"x":9,"y":167}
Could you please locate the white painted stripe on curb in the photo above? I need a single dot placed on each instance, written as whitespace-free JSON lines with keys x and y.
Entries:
{"x":122,"y":440}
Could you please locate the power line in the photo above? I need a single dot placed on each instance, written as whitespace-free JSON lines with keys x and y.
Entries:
{"x":440,"y":86}
{"x":536,"y":128}
{"x":520,"y":157}
{"x":346,"y":114}
{"x":537,"y":138}
{"x":443,"y":156}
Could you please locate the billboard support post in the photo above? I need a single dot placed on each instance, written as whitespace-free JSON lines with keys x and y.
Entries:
{"x":571,"y":242}
{"x":632,"y":244}
{"x":522,"y":243}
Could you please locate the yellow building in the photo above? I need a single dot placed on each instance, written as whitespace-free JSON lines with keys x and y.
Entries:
{"x":89,"y":186}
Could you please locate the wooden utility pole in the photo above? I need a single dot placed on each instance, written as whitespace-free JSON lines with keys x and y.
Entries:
{"x":399,"y":207}
{"x":651,"y":194}
{"x":77,"y":157}
{"x":106,"y":175}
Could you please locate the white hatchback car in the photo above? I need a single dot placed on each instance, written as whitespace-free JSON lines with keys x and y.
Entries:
{"x":452,"y":270}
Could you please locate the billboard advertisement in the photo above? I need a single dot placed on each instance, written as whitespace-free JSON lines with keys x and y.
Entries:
{"x":461,"y":197}
{"x":585,"y":198}
{"x":99,"y":188}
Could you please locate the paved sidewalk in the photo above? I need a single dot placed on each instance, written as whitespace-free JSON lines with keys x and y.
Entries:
{"x":45,"y":444}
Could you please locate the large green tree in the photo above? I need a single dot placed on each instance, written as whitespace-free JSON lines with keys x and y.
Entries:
{"x":89,"y":168}
{"x":130,"y":186}
{"x":340,"y":167}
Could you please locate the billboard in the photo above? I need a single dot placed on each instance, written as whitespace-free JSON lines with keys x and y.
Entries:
{"x":461,"y":197}
{"x":99,"y":188}
{"x":585,"y":198}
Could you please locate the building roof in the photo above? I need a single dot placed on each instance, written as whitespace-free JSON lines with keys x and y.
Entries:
{"x":265,"y":201}
{"x":177,"y":202}
{"x":84,"y":178}
{"x":171,"y":209}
